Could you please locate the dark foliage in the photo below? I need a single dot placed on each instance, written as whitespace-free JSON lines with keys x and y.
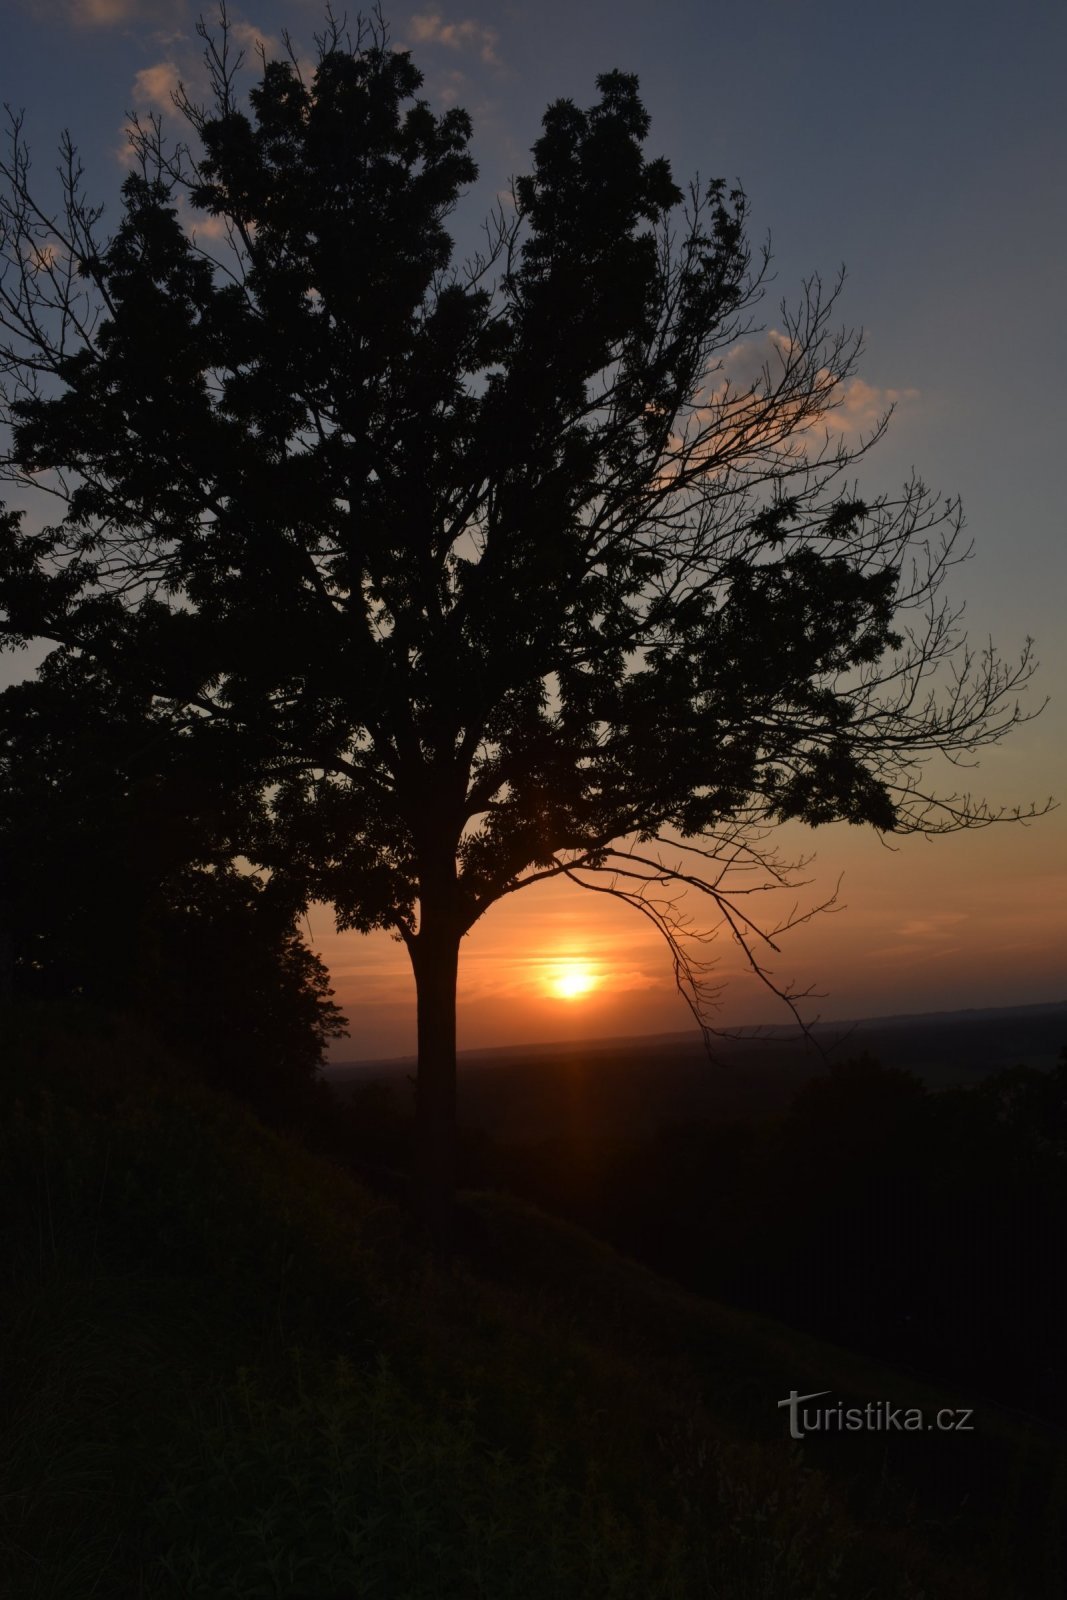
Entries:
{"x":123,"y":893}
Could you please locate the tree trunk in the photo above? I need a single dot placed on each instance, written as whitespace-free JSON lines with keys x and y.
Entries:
{"x":435,"y":958}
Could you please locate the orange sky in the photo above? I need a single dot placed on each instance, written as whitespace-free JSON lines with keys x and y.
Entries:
{"x":964,"y":921}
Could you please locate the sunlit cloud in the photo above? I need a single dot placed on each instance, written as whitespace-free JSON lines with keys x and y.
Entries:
{"x":861,"y":406}
{"x":205,"y":226}
{"x":741,"y":411}
{"x":254,"y":41}
{"x":430,"y":27}
{"x":106,"y":13}
{"x":167,"y":15}
{"x":156,"y":86}
{"x":124,"y":152}
{"x":451,"y":87}
{"x":41,"y":257}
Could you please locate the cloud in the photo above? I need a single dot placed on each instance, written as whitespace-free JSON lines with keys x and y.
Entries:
{"x":935,"y":926}
{"x":851,"y":406}
{"x":451,"y":87}
{"x":105,"y":13}
{"x":41,"y":257}
{"x":751,"y":405}
{"x":429,"y":27}
{"x":254,"y":41}
{"x":863,"y":405}
{"x":156,"y":85}
{"x":205,"y":226}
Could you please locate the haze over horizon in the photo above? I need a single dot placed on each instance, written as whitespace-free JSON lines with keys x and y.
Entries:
{"x":922,"y":148}
{"x":341,"y":1054}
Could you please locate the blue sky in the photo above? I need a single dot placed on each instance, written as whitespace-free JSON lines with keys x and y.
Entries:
{"x":920,"y":145}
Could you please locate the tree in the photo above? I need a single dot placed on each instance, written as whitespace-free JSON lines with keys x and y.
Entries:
{"x":495,"y":571}
{"x":117,"y":861}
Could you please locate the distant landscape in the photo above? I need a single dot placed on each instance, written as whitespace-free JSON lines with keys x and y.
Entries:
{"x":532,"y":1091}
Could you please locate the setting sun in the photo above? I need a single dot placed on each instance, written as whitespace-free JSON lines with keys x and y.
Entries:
{"x":572,"y":980}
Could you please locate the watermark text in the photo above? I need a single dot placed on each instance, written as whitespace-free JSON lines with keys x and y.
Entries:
{"x":877,"y":1416}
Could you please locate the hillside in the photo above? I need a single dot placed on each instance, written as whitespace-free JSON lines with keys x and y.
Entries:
{"x":231,"y":1370}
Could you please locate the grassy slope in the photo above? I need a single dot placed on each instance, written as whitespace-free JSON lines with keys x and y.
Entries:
{"x":231,"y":1371}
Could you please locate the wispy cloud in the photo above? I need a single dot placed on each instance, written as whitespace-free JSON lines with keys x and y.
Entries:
{"x":255,"y":41}
{"x":451,"y":87}
{"x":430,"y":27}
{"x":107,"y":13}
{"x":934,"y":926}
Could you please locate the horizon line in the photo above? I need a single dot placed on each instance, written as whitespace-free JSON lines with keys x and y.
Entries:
{"x":739,"y":1033}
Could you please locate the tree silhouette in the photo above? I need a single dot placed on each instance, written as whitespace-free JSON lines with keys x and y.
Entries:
{"x":494,"y":572}
{"x":117,"y":863}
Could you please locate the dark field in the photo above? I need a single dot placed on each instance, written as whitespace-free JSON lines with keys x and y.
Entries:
{"x":905,"y":1196}
{"x":233,"y":1368}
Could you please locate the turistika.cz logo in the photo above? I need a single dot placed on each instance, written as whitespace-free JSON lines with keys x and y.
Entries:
{"x":877,"y":1416}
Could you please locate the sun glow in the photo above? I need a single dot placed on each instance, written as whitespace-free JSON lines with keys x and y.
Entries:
{"x":572,"y":980}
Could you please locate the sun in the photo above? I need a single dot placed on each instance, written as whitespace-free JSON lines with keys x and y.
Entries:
{"x":572,"y":980}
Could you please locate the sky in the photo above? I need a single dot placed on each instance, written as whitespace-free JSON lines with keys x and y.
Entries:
{"x":922,"y":146}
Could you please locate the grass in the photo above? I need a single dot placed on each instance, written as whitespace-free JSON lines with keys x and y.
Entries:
{"x":230,"y":1371}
